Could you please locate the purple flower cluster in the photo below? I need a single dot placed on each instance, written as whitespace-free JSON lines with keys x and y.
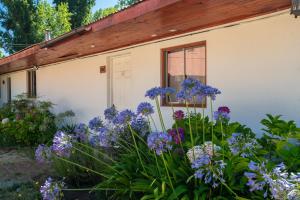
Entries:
{"x":140,"y":126}
{"x":178,"y":115}
{"x":222,"y":113}
{"x":193,"y":88}
{"x":209,"y":170}
{"x":81,"y":132}
{"x":241,"y":144}
{"x":145,"y":109}
{"x":281,"y":184}
{"x":159,"y":91}
{"x":95,"y":124}
{"x":111,"y":113}
{"x":177,"y":135}
{"x":43,"y":154}
{"x":62,"y":144}
{"x":52,"y":190}
{"x":159,"y":142}
{"x":125,"y":117}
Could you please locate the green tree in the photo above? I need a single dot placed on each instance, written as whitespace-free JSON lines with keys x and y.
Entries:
{"x":23,"y":22}
{"x":17,"y":24}
{"x":125,"y":3}
{"x":1,"y":54}
{"x":80,"y":9}
{"x":99,"y":14}
{"x":49,"y":18}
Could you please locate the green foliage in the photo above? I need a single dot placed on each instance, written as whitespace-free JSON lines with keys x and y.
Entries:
{"x":56,"y":20}
{"x":101,"y":13}
{"x":24,"y":23}
{"x":125,"y":3}
{"x":281,"y":139}
{"x":30,"y":122}
{"x":80,"y":9}
{"x":17,"y":22}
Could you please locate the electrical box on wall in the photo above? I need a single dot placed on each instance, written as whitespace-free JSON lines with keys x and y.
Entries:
{"x":102,"y":69}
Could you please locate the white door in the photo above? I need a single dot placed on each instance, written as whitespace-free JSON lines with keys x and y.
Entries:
{"x":121,"y":81}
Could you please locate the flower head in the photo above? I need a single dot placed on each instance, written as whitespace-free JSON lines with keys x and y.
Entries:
{"x":110,"y":113}
{"x":153,"y":92}
{"x":167,"y":91}
{"x":125,"y":116}
{"x":178,"y":115}
{"x":204,"y":149}
{"x":222,"y":113}
{"x":145,"y":109}
{"x":81,"y":132}
{"x":177,"y":135}
{"x":140,"y":125}
{"x":211,"y":92}
{"x":95,"y":124}
{"x":62,"y":144}
{"x":278,"y":181}
{"x":209,"y":170}
{"x":51,"y":190}
{"x":242,"y":144}
{"x":190,"y":88}
{"x":43,"y":154}
{"x":159,"y":142}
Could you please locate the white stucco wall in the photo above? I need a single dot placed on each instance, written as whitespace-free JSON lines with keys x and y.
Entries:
{"x":256,"y":65}
{"x":18,"y":85}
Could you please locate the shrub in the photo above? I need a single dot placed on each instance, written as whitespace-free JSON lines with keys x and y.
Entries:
{"x":199,"y":157}
{"x":28,"y":122}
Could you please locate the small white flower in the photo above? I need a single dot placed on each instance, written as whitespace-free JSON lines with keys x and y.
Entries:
{"x":204,"y":149}
{"x":5,"y":121}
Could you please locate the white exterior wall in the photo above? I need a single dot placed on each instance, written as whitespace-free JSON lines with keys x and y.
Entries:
{"x":256,"y":65}
{"x":18,"y":85}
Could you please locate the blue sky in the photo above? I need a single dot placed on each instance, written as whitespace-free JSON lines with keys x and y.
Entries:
{"x":100,"y":4}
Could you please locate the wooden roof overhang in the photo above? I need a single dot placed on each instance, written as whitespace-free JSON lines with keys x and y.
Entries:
{"x":143,"y":22}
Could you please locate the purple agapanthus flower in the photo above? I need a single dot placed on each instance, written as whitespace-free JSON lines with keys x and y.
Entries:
{"x":125,"y":117}
{"x":178,"y":115}
{"x":153,"y":92}
{"x":209,"y":170}
{"x":95,"y":123}
{"x":167,"y":91}
{"x":111,"y":113}
{"x":159,"y":142}
{"x":51,"y":190}
{"x":278,"y":181}
{"x":140,"y":126}
{"x":104,"y":137}
{"x":190,"y":89}
{"x":242,"y":144}
{"x":211,"y":92}
{"x":62,"y":144}
{"x":43,"y":154}
{"x":145,"y":109}
{"x":222,"y":113}
{"x":81,"y":132}
{"x":177,"y":134}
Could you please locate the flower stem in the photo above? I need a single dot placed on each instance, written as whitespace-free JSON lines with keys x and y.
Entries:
{"x":160,"y":115}
{"x":136,"y":147}
{"x":212,"y":126}
{"x":203,"y":123}
{"x":81,"y":166}
{"x":222,"y":132}
{"x":190,"y":124}
{"x":170,"y":180}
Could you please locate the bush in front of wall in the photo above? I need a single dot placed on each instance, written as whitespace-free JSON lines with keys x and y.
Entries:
{"x":199,"y":157}
{"x":26,"y":122}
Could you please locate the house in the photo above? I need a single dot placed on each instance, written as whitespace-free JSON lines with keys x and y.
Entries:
{"x":249,"y":49}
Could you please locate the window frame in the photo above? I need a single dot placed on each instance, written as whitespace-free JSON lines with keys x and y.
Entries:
{"x":31,"y":87}
{"x":164,"y":68}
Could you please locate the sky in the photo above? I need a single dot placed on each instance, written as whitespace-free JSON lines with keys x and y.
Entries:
{"x":100,"y":4}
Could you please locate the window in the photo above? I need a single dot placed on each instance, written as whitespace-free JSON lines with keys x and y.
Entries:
{"x":181,"y":62}
{"x":31,"y":84}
